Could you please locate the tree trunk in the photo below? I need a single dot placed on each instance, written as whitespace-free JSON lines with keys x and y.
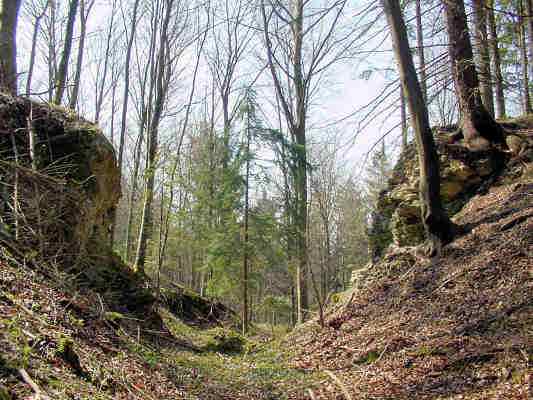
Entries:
{"x":84,"y":15}
{"x":100,"y":89}
{"x":245,"y":261}
{"x":127,"y":85}
{"x":478,"y":126}
{"x":131,"y":200}
{"x":421,"y":52}
{"x":496,"y":61}
{"x":153,"y":132}
{"x":526,"y":98}
{"x":8,"y":45}
{"x":439,"y":228}
{"x":299,"y":133}
{"x":529,"y":11}
{"x":62,"y":73}
{"x":36,"y":28}
{"x":52,"y":51}
{"x":403,"y":112}
{"x":481,"y":40}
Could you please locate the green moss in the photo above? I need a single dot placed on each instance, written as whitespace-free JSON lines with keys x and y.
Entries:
{"x":113,"y":316}
{"x":64,"y":345}
{"x":426,"y":351}
{"x":223,"y":340}
{"x":368,"y":358}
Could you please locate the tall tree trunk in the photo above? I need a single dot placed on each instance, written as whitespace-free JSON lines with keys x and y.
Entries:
{"x":526,"y":97}
{"x":299,"y":133}
{"x":496,"y":61}
{"x":153,"y":132}
{"x":100,"y":89}
{"x":126,"y":94}
{"x":295,"y":115}
{"x":478,"y":126}
{"x":131,"y":200}
{"x":36,"y":28}
{"x":52,"y":51}
{"x":246,"y":258}
{"x":8,"y":45}
{"x":439,"y":228}
{"x":62,"y":73}
{"x":84,"y":15}
{"x":421,"y":51}
{"x":481,"y":40}
{"x":529,"y":11}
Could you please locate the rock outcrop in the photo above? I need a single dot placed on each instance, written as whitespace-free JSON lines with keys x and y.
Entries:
{"x":70,"y":168}
{"x":463,"y":175}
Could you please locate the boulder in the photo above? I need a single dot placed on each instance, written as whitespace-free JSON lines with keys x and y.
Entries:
{"x":72,"y":184}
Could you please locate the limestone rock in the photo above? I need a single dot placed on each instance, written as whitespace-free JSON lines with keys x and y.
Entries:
{"x":397,"y":219}
{"x":71,"y":156}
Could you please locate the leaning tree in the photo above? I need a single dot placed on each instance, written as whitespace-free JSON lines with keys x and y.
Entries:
{"x":439,"y":228}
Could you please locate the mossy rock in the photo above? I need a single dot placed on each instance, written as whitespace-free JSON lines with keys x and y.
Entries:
{"x":75,"y":151}
{"x":222,"y":340}
{"x":190,"y":307}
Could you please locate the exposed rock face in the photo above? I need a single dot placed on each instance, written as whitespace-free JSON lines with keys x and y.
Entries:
{"x":73,"y":156}
{"x":463,"y":174}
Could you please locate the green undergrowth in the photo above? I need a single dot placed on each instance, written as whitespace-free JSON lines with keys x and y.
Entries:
{"x":238,"y":363}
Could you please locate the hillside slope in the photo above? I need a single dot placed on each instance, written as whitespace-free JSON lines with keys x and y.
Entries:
{"x":455,"y":328}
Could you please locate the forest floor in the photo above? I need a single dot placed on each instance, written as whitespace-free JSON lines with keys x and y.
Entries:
{"x":455,"y":328}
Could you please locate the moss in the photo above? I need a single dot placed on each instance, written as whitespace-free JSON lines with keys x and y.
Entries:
{"x":113,"y":316}
{"x":223,"y":340}
{"x":189,"y":306}
{"x":426,"y":351}
{"x":368,"y":358}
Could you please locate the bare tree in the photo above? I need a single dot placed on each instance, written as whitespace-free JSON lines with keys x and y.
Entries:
{"x":85,"y":10}
{"x":101,"y":79}
{"x":526,"y":97}
{"x":230,"y":40}
{"x":62,"y":72}
{"x":293,"y":74}
{"x":171,"y":28}
{"x":38,"y":14}
{"x":8,"y":45}
{"x":125,"y":96}
{"x":496,"y":61}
